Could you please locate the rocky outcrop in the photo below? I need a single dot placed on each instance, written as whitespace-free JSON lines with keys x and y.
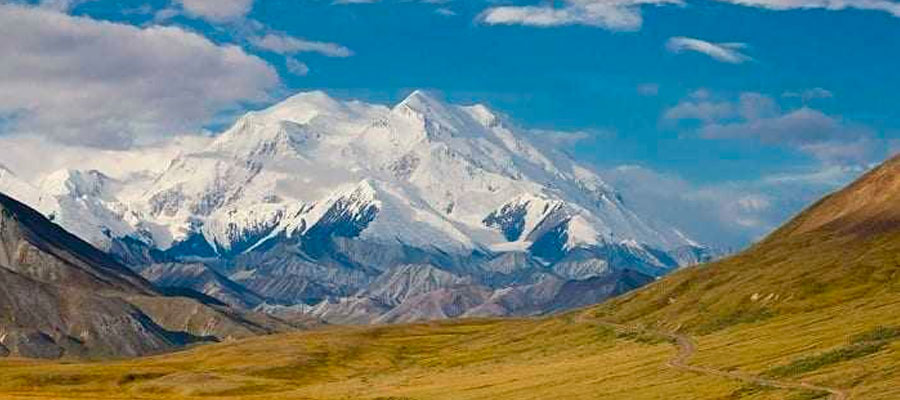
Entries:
{"x":61,"y":297}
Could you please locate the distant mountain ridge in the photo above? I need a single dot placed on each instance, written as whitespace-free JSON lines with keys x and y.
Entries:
{"x":312,"y":200}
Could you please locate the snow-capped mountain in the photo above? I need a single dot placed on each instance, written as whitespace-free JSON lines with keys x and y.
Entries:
{"x":314,"y":198}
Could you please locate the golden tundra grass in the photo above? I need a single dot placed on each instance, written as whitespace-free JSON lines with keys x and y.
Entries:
{"x":564,"y":357}
{"x":558,"y":358}
{"x":818,"y":301}
{"x":799,"y":301}
{"x":810,"y":301}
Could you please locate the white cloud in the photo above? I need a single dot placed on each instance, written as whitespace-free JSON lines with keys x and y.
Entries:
{"x":758,"y":117}
{"x":447,"y":12}
{"x":724,"y":52}
{"x":888,"y":6}
{"x":117,"y":163}
{"x":825,"y":137}
{"x":728,"y":214}
{"x":61,"y":5}
{"x":217,"y":10}
{"x":810,"y":94}
{"x":617,"y":15}
{"x":284,"y":44}
{"x":700,"y":110}
{"x":106,"y":84}
{"x":625,"y":15}
{"x":297,"y":67}
{"x":566,"y":140}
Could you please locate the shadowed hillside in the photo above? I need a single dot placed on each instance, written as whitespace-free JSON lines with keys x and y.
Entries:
{"x":62,"y":298}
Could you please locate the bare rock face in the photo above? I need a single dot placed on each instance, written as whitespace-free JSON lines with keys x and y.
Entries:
{"x":34,"y":344}
{"x":61,"y":297}
{"x":202,"y":279}
{"x":35,"y":248}
{"x":43,"y":320}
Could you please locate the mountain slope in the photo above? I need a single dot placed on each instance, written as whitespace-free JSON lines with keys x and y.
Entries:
{"x":812,"y":312}
{"x":841,"y":249}
{"x":202,"y":279}
{"x":49,"y":293}
{"x":33,"y":246}
{"x":61,"y":297}
{"x":311,"y":200}
{"x":424,"y":173}
{"x":815,"y":301}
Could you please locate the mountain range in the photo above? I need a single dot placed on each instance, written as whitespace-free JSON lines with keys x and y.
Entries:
{"x":810,"y":312}
{"x":362,"y":213}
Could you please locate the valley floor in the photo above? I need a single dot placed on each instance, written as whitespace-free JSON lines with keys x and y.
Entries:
{"x":573,"y":356}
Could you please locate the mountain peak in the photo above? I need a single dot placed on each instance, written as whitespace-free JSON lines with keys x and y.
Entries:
{"x":421,"y":101}
{"x":304,"y":107}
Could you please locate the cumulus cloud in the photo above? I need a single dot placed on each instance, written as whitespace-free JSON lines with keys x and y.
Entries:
{"x":616,"y":15}
{"x":724,"y":52}
{"x":104,"y":84}
{"x":217,"y":10}
{"x":758,"y":117}
{"x":284,"y":44}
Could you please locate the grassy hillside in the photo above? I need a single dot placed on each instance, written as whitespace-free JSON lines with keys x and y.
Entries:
{"x":819,"y":299}
{"x":817,"y":303}
{"x":559,"y":358}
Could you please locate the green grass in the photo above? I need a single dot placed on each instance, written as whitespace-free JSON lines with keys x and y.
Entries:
{"x":861,"y":345}
{"x":878,"y":334}
{"x":816,"y":362}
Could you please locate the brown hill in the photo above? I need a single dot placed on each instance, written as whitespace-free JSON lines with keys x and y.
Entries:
{"x":869,"y":206}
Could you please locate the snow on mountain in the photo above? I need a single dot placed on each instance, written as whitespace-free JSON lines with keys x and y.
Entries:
{"x":422,"y":182}
{"x":11,"y":185}
{"x":455,"y":178}
{"x":87,"y":204}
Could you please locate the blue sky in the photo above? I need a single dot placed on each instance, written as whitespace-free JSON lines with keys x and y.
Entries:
{"x":586,"y":78}
{"x":712,"y":95}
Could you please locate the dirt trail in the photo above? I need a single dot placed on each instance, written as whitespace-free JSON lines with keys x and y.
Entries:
{"x":687,"y":347}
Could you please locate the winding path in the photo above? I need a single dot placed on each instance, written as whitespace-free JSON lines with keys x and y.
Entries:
{"x":687,"y":347}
